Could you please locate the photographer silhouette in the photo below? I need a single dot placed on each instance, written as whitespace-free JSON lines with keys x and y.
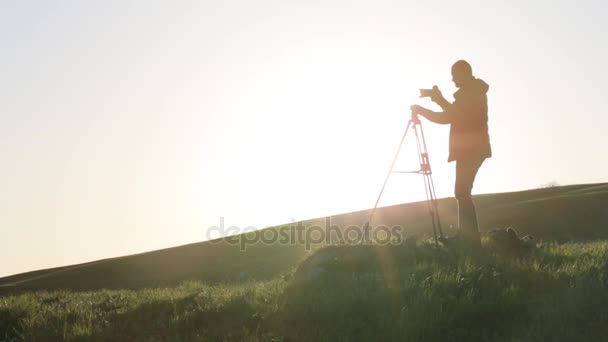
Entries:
{"x":469,"y":138}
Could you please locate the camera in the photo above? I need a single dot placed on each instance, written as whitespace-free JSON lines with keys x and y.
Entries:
{"x":429,"y":92}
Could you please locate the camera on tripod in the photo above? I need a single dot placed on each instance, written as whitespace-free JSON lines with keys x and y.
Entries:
{"x":430,"y":92}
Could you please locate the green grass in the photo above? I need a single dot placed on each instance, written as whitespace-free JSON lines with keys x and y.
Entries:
{"x":557,"y":293}
{"x":214,"y":291}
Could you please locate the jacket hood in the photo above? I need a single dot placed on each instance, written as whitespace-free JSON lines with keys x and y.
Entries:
{"x":479,"y":86}
{"x":475,"y":86}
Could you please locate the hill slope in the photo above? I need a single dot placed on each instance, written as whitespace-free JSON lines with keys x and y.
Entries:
{"x":282,"y":292}
{"x":563,"y":213}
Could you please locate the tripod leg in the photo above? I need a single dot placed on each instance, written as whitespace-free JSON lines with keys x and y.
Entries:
{"x":429,"y":186}
{"x":432,"y":192}
{"x":369,"y":220}
{"x":435,"y":205}
{"x":424,"y":170}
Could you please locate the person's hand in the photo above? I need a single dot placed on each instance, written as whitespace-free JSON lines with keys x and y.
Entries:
{"x":416,"y":109}
{"x":437,"y":96}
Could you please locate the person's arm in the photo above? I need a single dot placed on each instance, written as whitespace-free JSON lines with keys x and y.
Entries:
{"x":441,"y":118}
{"x":441,"y":101}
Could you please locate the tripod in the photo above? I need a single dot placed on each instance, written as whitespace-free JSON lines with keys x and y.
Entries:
{"x":425,"y":171}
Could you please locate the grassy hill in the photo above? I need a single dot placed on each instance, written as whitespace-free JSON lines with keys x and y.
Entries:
{"x":214,"y":290}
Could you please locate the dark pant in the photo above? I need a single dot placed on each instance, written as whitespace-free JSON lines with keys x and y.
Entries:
{"x":466,"y":170}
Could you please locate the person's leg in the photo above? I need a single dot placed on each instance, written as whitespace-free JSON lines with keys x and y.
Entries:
{"x":466,"y":170}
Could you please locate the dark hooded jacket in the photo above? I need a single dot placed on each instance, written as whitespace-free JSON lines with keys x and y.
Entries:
{"x":468,"y":116}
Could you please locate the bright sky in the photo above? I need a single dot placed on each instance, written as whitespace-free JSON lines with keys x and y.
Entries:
{"x":130,"y":126}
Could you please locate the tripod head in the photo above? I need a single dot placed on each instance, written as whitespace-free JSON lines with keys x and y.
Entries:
{"x":415,"y":119}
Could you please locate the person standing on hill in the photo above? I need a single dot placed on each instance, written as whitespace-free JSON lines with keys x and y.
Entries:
{"x":469,"y":139}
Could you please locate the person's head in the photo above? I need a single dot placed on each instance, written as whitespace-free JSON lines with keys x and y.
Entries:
{"x":461,"y":73}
